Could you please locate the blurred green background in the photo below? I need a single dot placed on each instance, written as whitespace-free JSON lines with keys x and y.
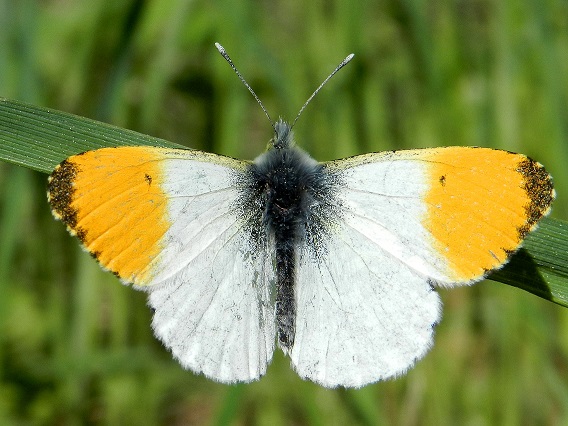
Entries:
{"x":76,"y":346}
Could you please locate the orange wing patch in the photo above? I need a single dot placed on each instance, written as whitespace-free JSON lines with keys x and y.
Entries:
{"x":482,"y":204}
{"x":112,"y":200}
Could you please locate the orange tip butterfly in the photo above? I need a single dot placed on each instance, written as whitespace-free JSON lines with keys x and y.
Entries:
{"x":336,"y":263}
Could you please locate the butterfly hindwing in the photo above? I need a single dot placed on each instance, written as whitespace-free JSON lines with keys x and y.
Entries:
{"x":361,"y":316}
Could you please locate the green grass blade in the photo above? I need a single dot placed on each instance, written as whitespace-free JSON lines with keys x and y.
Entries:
{"x":40,"y":138}
{"x":541,"y":266}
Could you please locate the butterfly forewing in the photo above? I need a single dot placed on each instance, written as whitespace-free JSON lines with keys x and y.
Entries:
{"x":452,"y":214}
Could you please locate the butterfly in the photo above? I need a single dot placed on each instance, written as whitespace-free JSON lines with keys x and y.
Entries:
{"x":336,"y":263}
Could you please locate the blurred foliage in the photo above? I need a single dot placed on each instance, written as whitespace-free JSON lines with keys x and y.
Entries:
{"x":76,"y":346}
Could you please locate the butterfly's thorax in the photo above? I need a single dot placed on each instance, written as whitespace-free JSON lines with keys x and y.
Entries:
{"x":288,"y":191}
{"x":285,"y":177}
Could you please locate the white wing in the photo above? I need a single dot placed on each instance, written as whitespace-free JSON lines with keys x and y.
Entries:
{"x":366,"y":308}
{"x":210,"y":292}
{"x":217,"y":319}
{"x":361,"y":315}
{"x":168,"y":222}
{"x":410,"y":220}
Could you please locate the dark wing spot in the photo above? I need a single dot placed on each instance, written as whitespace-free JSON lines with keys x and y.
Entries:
{"x":148,"y":179}
{"x":60,"y":189}
{"x":539,"y":188}
{"x":81,"y":233}
{"x":443,"y":180}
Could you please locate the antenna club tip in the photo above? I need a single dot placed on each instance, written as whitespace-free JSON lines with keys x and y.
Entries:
{"x":219,"y":47}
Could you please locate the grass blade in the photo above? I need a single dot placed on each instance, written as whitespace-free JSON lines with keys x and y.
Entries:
{"x":40,"y":138}
{"x":541,"y":266}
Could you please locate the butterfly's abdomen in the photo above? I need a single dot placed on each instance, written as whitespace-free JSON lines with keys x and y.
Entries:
{"x":286,"y":191}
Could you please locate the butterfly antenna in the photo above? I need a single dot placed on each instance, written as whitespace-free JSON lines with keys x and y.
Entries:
{"x":225,"y":55}
{"x":337,"y":68}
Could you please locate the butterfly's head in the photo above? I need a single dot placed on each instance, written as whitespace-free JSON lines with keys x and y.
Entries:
{"x":282,"y":151}
{"x":283,"y":136}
